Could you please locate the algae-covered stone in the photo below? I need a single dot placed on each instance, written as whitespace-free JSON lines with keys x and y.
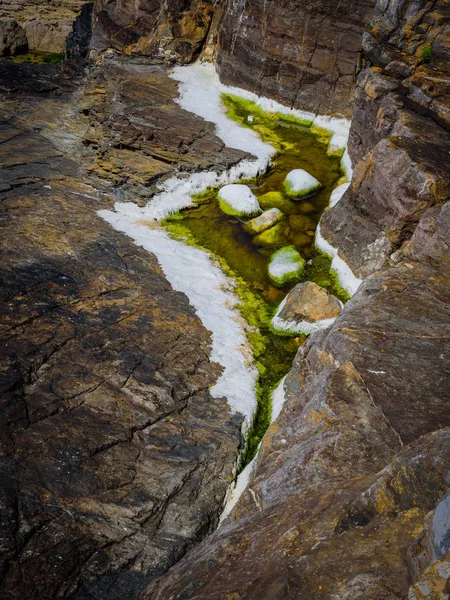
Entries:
{"x":277,"y":200}
{"x":275,"y":237}
{"x":302,"y":223}
{"x":301,"y":184}
{"x":238,"y":200}
{"x":286,"y":266}
{"x":306,"y":208}
{"x":268,"y":219}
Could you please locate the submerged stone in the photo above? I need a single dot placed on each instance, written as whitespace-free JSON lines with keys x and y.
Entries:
{"x":307,"y":308}
{"x":238,"y":200}
{"x":286,"y":266}
{"x":301,"y":184}
{"x":275,"y":237}
{"x":302,"y":223}
{"x":276,"y":200}
{"x":305,"y":208}
{"x":268,"y":219}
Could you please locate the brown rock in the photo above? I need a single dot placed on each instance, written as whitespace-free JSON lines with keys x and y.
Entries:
{"x":303,"y":55}
{"x":12,"y":38}
{"x":309,"y":302}
{"x":115,"y":458}
{"x":166,"y":32}
{"x":47,"y":24}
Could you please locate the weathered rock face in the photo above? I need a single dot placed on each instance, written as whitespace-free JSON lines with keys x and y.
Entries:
{"x":115,"y":458}
{"x":399,"y":138}
{"x":166,"y":31}
{"x":302,"y":54}
{"x":12,"y":38}
{"x":46,"y":24}
{"x":79,"y":39}
{"x":349,"y":472}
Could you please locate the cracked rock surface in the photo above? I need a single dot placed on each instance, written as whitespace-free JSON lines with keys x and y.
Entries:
{"x":115,"y":457}
{"x":349,"y":476}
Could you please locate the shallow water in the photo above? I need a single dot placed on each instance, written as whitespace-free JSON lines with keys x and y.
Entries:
{"x":248,"y":257}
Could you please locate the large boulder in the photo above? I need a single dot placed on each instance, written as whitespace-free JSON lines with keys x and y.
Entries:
{"x":166,"y":31}
{"x":308,"y":301}
{"x":307,"y":308}
{"x":12,"y":38}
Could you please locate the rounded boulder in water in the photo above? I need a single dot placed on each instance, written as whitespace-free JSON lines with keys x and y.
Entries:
{"x":301,"y":184}
{"x":286,"y":266}
{"x":238,"y":200}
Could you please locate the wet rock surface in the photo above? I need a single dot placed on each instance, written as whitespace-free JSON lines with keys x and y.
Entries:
{"x":115,"y":458}
{"x":350,"y":472}
{"x":308,"y":301}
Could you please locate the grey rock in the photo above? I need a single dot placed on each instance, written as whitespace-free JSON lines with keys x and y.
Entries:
{"x":13,"y":39}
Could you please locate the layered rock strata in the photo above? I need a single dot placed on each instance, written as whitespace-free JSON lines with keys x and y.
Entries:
{"x":339,"y":507}
{"x":46,"y":25}
{"x":301,"y":55}
{"x":114,"y":456}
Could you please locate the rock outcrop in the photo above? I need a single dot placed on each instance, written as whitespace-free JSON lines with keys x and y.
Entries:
{"x":12,"y":38}
{"x":165,"y":31}
{"x":302,"y":54}
{"x":46,"y":24}
{"x":349,"y":472}
{"x":399,"y":139}
{"x":115,"y":458}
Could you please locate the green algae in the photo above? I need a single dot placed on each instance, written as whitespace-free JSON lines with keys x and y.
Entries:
{"x":273,"y":355}
{"x":229,"y":210}
{"x":245,"y":258}
{"x":286,"y":266}
{"x":300,"y":195}
{"x":38,"y":58}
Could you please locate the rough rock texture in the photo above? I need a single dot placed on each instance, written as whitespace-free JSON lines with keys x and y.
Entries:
{"x":309,"y":302}
{"x":168,"y":30}
{"x":339,"y":506}
{"x":115,"y":459}
{"x":114,"y":456}
{"x":46,"y":24}
{"x":78,"y":40}
{"x":399,"y":138}
{"x":12,"y":38}
{"x":302,"y":54}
